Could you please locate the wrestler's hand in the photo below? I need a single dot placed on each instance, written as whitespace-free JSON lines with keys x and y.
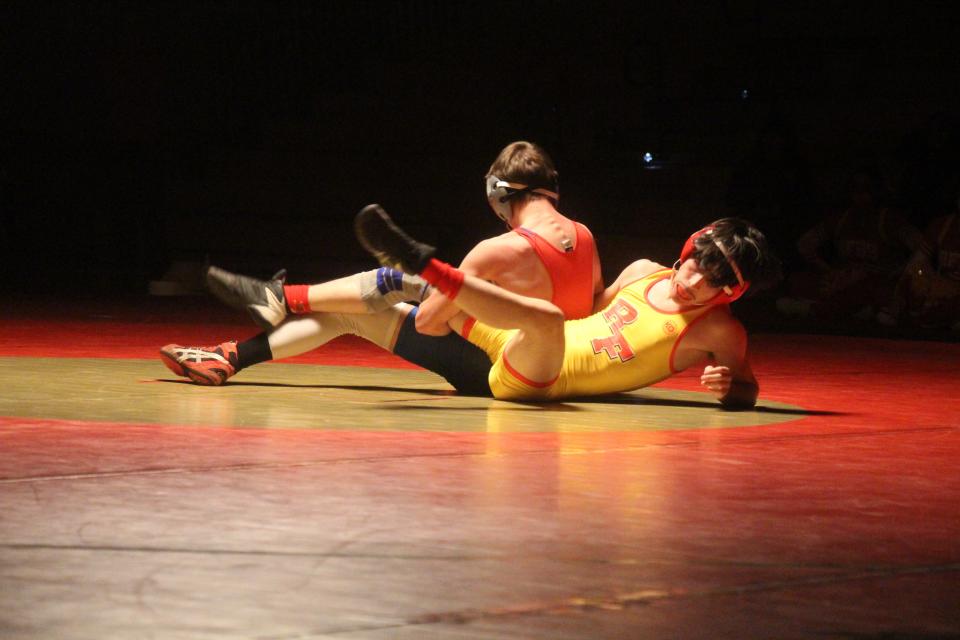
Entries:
{"x":716,"y":380}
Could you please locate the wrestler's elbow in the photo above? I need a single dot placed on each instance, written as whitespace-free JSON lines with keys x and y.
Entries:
{"x":434,"y":330}
{"x":431,"y":326}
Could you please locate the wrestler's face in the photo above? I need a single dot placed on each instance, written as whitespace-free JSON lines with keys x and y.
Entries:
{"x":688,"y":286}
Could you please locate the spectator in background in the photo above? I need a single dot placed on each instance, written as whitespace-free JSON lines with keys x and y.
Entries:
{"x":772,"y":188}
{"x":931,"y":283}
{"x":853,"y":259}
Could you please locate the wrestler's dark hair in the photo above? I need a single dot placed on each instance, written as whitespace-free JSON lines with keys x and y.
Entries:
{"x":746,"y":245}
{"x":526,"y":163}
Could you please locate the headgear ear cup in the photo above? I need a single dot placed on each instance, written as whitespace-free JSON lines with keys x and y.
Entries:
{"x":730,"y":292}
{"x":690,"y":244}
{"x":499,"y":193}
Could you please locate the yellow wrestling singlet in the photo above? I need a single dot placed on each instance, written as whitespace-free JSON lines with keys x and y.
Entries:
{"x":628,"y":345}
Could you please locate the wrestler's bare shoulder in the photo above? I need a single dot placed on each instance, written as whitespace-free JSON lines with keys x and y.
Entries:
{"x":717,"y":328}
{"x":639,"y":269}
{"x":498,"y":250}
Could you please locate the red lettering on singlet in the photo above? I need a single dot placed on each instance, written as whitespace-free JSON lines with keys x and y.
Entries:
{"x":616,"y":346}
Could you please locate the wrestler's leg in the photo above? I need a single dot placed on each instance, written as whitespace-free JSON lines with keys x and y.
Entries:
{"x":464,"y":365}
{"x":461,"y":363}
{"x":365,"y":292}
{"x":304,"y":333}
{"x":536,"y":352}
{"x":215,"y":365}
{"x":269,"y":302}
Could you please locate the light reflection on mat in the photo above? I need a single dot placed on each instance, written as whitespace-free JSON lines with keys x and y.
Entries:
{"x":324,"y":397}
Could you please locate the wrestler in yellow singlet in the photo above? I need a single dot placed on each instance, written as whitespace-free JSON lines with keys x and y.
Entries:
{"x":628,"y":345}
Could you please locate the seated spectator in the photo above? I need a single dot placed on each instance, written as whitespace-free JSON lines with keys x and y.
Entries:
{"x":853,"y":259}
{"x":931,"y":283}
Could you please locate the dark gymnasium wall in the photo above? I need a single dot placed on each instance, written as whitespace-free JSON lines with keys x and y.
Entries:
{"x":135,"y":135}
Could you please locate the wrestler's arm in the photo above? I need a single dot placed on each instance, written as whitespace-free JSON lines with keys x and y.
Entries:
{"x":598,"y":288}
{"x":483,"y":261}
{"x":730,"y":378}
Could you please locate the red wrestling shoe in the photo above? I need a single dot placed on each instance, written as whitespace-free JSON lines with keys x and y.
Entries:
{"x":209,"y":366}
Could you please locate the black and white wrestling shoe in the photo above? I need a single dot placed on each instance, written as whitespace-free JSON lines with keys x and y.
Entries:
{"x":264,"y":300}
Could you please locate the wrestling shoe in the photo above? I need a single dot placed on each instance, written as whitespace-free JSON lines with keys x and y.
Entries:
{"x":263,"y":299}
{"x":210,"y":366}
{"x":388,"y":243}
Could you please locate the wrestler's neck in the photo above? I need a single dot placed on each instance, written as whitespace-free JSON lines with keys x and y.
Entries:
{"x":536,"y":214}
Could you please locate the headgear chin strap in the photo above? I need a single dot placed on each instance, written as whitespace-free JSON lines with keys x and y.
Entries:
{"x":500,"y":192}
{"x":730,"y":293}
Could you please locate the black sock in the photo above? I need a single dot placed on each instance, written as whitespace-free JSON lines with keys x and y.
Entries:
{"x":253,"y":351}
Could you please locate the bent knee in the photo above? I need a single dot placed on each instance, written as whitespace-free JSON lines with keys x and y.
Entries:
{"x":552,"y":322}
{"x":545,"y":317}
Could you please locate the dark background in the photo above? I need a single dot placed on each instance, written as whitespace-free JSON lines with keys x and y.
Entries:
{"x":136,"y":135}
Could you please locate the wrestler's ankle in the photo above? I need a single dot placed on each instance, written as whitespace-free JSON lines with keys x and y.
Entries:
{"x":446,"y":278}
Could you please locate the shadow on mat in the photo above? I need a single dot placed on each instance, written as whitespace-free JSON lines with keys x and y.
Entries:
{"x":358,"y":387}
{"x":619,"y":399}
{"x":704,"y":404}
{"x":567,"y":407}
